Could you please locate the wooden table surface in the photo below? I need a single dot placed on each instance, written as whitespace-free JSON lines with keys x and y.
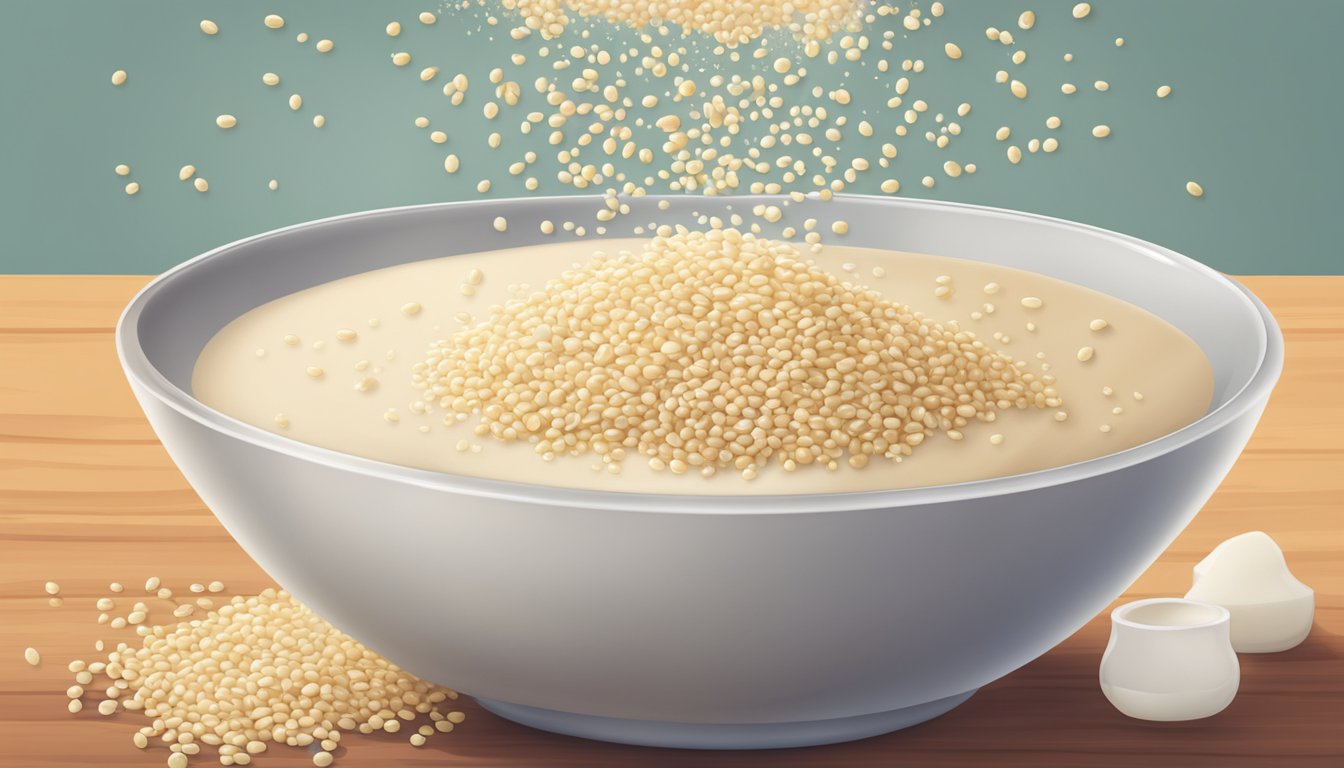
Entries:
{"x":88,"y":496}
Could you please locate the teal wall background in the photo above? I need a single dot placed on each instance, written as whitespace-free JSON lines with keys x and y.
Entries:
{"x":1255,"y":118}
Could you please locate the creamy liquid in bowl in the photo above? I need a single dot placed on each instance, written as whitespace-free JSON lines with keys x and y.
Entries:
{"x":331,"y":366}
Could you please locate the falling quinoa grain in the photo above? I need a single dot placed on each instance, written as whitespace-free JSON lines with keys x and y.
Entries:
{"x":119,"y":77}
{"x":1194,"y":189}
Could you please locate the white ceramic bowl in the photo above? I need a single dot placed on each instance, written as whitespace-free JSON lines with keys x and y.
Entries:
{"x":731,"y":621}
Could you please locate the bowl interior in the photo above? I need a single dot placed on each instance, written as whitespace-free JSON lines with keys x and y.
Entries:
{"x":178,"y":314}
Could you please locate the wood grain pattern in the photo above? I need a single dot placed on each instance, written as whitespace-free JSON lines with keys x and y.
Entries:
{"x":87,"y":495}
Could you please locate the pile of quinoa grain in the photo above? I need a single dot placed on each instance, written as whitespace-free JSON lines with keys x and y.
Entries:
{"x":256,"y":673}
{"x":718,"y":349}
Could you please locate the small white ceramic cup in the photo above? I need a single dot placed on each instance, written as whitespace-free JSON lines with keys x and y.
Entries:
{"x":1170,"y":659}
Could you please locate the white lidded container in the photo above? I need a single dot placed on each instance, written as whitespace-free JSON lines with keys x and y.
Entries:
{"x":1271,"y":610}
{"x":1170,"y":659}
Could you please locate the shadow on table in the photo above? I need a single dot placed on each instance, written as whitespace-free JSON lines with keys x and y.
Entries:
{"x":1050,"y":712}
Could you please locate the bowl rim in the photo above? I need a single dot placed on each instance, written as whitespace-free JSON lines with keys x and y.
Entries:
{"x":144,"y":375}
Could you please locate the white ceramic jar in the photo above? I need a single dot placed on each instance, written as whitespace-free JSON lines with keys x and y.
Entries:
{"x":1170,"y":659}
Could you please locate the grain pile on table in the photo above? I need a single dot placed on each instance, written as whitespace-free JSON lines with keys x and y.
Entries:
{"x":260,"y":671}
{"x":714,"y":350}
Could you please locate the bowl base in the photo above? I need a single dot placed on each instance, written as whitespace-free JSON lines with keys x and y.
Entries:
{"x":652,"y":733}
